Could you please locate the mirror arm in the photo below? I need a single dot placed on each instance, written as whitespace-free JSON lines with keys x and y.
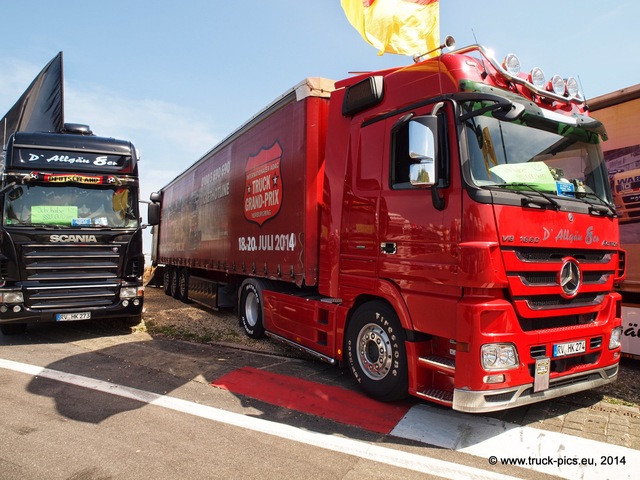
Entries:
{"x":436,"y":198}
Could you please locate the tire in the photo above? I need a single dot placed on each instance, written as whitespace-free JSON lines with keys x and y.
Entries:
{"x":13,"y":328}
{"x":376,"y":352}
{"x":183,"y":285}
{"x":173,"y":283}
{"x":166,"y":280}
{"x":250,"y":308}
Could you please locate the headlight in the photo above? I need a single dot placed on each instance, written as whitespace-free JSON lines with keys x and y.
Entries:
{"x":11,"y":297}
{"x":131,"y":292}
{"x":499,"y":356}
{"x":616,"y":335}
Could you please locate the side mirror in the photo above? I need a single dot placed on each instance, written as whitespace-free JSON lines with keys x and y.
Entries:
{"x":423,"y":148}
{"x":422,"y":174}
{"x":153,"y":213}
{"x":156,"y":197}
{"x":16,"y":193}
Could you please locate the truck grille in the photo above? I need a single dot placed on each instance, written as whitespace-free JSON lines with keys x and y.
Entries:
{"x":71,"y":276}
{"x":534,"y":286}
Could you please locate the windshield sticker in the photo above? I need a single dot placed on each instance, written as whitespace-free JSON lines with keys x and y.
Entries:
{"x":53,"y":214}
{"x":536,"y":174}
{"x":566,"y":189}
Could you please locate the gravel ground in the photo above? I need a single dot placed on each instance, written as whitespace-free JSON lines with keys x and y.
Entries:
{"x":167,"y":317}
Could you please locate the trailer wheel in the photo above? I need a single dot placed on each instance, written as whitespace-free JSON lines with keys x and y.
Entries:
{"x":166,"y":280}
{"x":183,"y":285}
{"x":377,"y":353}
{"x":250,"y":308}
{"x":13,"y":328}
{"x":173,"y":283}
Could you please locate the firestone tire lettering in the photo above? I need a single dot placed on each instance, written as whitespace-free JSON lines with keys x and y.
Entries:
{"x":376,"y":352}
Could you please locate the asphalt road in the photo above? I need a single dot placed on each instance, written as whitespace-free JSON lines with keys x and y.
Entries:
{"x":95,"y":401}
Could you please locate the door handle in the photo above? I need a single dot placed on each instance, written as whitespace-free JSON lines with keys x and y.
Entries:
{"x":388,"y":248}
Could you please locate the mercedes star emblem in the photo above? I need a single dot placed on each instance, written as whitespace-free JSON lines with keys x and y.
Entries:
{"x":570,"y":277}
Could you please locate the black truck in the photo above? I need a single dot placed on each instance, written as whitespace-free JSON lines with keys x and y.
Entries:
{"x":71,"y":236}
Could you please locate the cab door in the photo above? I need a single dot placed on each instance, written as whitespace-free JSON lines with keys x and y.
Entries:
{"x":420,"y":232}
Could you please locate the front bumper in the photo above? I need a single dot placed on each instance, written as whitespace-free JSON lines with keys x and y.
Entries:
{"x":493,"y":400}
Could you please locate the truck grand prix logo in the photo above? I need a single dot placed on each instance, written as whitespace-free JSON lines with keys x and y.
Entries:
{"x":263,"y":185}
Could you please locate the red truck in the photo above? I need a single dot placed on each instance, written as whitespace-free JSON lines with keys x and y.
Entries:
{"x":444,"y":229}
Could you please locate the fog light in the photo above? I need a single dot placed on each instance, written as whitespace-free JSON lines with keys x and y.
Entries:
{"x":494,"y":379}
{"x":616,"y":335}
{"x":3,"y":309}
{"x":17,"y":308}
{"x":499,"y":356}
{"x":125,"y":303}
{"x":136,"y":302}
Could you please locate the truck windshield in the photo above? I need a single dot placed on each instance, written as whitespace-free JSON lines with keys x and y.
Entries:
{"x":537,"y":153}
{"x":36,"y":205}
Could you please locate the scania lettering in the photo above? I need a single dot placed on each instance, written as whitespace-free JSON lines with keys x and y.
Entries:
{"x":73,"y":238}
{"x":71,"y":244}
{"x":444,"y":229}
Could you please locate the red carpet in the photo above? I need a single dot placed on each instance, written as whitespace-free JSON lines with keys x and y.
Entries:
{"x":334,"y":403}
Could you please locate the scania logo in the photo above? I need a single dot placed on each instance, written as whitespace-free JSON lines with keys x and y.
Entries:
{"x":72,"y":238}
{"x":569,"y":277}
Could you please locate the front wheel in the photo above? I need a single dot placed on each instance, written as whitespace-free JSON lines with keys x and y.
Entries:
{"x":376,"y":352}
{"x":250,"y":308}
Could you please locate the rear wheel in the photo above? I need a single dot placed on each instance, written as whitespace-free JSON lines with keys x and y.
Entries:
{"x":173,"y":283}
{"x":13,"y":328}
{"x":183,"y":285}
{"x":250,"y":308}
{"x":376,"y":352}
{"x":166,"y":280}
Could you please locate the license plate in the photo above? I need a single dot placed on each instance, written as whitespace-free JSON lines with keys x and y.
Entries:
{"x":570,"y":348}
{"x":70,"y":317}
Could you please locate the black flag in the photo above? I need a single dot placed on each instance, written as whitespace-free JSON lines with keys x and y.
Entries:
{"x":40,"y":108}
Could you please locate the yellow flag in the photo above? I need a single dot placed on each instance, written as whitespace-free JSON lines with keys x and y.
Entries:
{"x":406,"y":27}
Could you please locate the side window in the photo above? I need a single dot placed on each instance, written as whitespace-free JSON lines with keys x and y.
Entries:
{"x":401,"y":159}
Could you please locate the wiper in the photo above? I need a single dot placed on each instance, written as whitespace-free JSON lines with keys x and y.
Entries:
{"x":603,"y":209}
{"x":46,"y":226}
{"x":529,"y":200}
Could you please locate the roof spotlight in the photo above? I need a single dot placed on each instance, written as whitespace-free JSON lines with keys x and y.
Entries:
{"x":536,"y":77}
{"x":572,"y":87}
{"x":557,"y":85}
{"x":511,"y":64}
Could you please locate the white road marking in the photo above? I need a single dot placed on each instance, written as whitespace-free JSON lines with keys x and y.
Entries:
{"x":355,"y":448}
{"x":537,"y":449}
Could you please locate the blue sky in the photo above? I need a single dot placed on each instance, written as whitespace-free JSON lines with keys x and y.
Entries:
{"x":175,"y":78}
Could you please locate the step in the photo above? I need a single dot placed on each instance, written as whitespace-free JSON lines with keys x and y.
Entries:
{"x":439,"y":364}
{"x":443,"y":397}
